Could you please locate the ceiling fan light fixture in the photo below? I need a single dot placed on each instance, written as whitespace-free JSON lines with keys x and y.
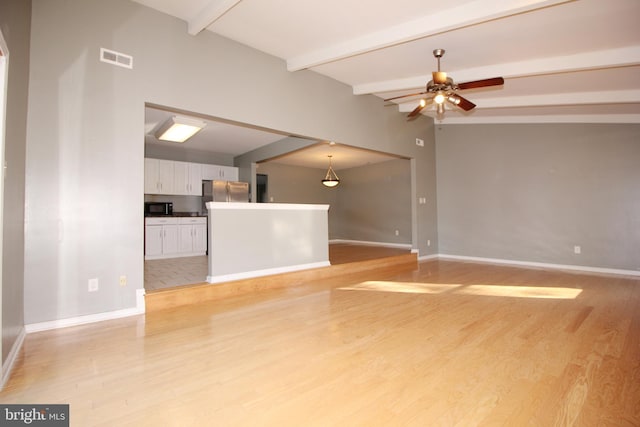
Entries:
{"x":179,"y":129}
{"x":454,"y":99}
{"x":442,"y":88}
{"x":331,"y":179}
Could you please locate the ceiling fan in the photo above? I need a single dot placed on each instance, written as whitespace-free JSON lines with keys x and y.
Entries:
{"x":443,"y":89}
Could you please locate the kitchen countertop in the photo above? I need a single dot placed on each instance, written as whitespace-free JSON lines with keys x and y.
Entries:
{"x":178,"y":214}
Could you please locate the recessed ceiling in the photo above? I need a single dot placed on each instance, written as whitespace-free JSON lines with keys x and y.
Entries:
{"x":562,"y":60}
{"x":342,"y":157}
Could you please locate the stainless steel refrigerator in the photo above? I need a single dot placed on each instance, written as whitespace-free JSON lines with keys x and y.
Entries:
{"x":224,"y":191}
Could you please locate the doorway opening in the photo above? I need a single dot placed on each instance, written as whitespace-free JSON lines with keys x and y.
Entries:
{"x":262,"y":182}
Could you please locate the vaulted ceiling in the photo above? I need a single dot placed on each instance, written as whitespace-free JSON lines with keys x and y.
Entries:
{"x":562,"y":61}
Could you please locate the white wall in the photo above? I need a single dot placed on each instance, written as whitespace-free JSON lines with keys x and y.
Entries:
{"x":85,"y":144}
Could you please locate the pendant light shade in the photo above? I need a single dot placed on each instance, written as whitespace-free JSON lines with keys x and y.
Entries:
{"x":331,"y":179}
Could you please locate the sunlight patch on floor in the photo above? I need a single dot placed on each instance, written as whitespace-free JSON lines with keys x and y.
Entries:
{"x":402,"y":287}
{"x":482,"y":290}
{"x":521,"y":291}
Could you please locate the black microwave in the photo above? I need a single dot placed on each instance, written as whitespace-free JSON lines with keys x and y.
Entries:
{"x":158,"y":208}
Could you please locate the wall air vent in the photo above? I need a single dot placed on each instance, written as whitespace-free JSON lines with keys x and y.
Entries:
{"x":116,"y":58}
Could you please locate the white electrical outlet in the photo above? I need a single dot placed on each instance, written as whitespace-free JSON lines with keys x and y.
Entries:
{"x":577,"y":250}
{"x":93,"y":285}
{"x":428,"y":242}
{"x":419,"y":142}
{"x":123,"y":280}
{"x":397,"y":232}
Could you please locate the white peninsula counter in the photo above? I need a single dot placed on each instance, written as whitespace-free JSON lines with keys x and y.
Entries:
{"x":259,"y":239}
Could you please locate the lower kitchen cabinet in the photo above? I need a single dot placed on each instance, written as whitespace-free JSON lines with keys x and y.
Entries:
{"x":192,"y":235}
{"x":172,"y":237}
{"x":160,"y":238}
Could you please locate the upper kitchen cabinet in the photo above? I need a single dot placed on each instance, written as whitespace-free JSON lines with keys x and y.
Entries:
{"x":158,"y":176}
{"x":223,"y":173}
{"x":182,"y":178}
{"x":188,"y":178}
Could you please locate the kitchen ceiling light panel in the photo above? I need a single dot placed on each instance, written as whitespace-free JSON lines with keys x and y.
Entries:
{"x":179,"y":129}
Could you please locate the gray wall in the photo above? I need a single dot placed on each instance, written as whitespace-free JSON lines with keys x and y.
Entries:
{"x":533,"y":192}
{"x":246,"y":162}
{"x":374,"y":201}
{"x":15,"y":22}
{"x":371,"y":202}
{"x":85,"y":145}
{"x":295,"y":184}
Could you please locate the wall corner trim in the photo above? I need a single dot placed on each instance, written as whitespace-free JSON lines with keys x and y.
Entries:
{"x":8,"y":364}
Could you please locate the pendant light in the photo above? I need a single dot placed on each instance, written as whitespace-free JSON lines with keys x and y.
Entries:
{"x":331,"y":179}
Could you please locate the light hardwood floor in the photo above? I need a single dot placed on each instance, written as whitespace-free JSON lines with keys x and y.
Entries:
{"x":448,"y":344}
{"x":171,"y":272}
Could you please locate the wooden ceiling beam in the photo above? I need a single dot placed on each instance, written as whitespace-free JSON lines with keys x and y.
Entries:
{"x":610,"y":58}
{"x":446,"y":20}
{"x":209,"y":14}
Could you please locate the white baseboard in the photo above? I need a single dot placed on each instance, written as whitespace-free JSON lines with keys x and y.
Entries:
{"x":428,"y":257}
{"x":8,"y":364}
{"x":265,"y":272}
{"x":366,"y":243}
{"x":577,"y":268}
{"x":90,"y":318}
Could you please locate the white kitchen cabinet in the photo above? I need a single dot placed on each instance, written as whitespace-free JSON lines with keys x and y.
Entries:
{"x":192,"y":236}
{"x":159,"y":176}
{"x":188,"y":178}
{"x":160,"y":238}
{"x":217,"y":172}
{"x":182,"y":178}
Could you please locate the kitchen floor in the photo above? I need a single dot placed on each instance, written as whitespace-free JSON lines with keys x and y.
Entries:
{"x":167,"y":273}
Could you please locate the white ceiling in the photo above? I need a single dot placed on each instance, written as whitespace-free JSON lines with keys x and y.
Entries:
{"x":217,"y":136}
{"x":562,"y":61}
